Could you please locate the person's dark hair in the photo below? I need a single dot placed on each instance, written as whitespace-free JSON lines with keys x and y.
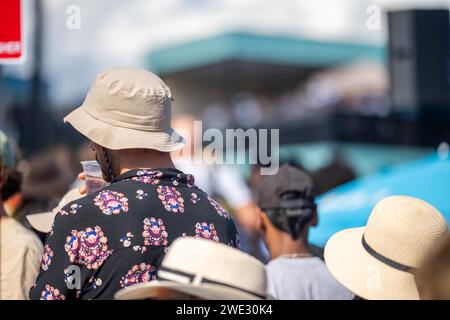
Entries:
{"x":294,"y":213}
{"x":12,"y":184}
{"x":2,"y":177}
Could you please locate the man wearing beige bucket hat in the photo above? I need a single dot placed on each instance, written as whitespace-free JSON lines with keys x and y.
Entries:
{"x":117,"y":236}
{"x":218,"y":272}
{"x":381,"y":260}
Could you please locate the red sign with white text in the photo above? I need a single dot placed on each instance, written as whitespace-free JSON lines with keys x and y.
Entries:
{"x":11,"y":42}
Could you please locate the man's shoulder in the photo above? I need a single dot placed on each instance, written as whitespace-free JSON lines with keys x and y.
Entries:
{"x":127,"y":196}
{"x":19,"y":236}
{"x":87,"y":203}
{"x":77,"y":206}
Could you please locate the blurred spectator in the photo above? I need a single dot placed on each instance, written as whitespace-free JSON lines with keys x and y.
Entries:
{"x":381,"y":260}
{"x":47,"y":177}
{"x":221,"y":181}
{"x":287,"y":210}
{"x":218,"y":180}
{"x":20,"y":249}
{"x":48,"y":174}
{"x":11,"y":191}
{"x":434,"y":279}
{"x":223,"y":272}
{"x":246,"y":109}
{"x":358,"y":88}
{"x":43,"y":221}
{"x":332,"y":175}
{"x":216,"y":115}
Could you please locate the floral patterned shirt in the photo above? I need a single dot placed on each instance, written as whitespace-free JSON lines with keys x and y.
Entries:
{"x":117,"y":237}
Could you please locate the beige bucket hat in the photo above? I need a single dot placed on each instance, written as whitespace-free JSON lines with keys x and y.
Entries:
{"x":379,"y":261}
{"x":127,"y":108}
{"x":204,"y":269}
{"x":43,"y":221}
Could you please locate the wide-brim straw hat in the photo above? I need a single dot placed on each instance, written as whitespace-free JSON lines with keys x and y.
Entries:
{"x":43,"y":221}
{"x":204,"y":269}
{"x":380,"y":261}
{"x":127,"y":108}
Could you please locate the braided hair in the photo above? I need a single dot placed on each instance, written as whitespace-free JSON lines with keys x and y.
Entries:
{"x":296,"y":210}
{"x":109,"y":164}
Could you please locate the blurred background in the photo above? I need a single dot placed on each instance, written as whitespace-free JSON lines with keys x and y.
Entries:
{"x":356,"y":87}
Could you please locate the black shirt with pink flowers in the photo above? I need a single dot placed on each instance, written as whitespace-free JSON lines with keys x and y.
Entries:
{"x":116,"y":237}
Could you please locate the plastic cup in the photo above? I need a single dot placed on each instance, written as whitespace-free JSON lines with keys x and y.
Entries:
{"x":93,"y":176}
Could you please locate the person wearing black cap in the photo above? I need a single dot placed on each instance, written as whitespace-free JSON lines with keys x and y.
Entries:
{"x":287,"y":209}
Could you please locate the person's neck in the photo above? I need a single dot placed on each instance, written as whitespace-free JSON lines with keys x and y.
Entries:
{"x":146,"y":163}
{"x":286,"y":245}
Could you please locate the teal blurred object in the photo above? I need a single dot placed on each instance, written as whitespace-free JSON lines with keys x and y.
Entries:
{"x":349,"y":205}
{"x":6,"y":151}
{"x":243,"y":46}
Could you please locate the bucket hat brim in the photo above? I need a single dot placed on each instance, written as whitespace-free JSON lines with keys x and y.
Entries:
{"x":363,"y":274}
{"x":204,"y":291}
{"x":117,"y":138}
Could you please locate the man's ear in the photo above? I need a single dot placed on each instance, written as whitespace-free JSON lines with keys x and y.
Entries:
{"x":261,"y":216}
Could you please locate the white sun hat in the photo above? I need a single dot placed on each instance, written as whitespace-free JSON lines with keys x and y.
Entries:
{"x":380,"y":261}
{"x":205,"y":269}
{"x":127,"y":108}
{"x":43,"y":221}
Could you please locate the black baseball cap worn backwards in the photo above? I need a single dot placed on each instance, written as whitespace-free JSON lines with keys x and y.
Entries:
{"x":288,"y":199}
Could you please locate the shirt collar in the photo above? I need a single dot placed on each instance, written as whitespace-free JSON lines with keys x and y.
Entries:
{"x":158,"y":176}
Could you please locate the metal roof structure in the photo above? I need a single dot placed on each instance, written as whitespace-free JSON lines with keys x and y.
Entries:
{"x":258,"y":48}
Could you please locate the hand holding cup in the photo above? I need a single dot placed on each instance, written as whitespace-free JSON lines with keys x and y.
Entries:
{"x":92,"y":175}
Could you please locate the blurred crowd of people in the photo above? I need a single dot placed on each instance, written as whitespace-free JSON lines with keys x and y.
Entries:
{"x":165,"y":228}
{"x":359,"y":88}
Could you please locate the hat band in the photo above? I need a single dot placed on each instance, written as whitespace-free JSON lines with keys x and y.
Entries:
{"x":385,"y":260}
{"x":126,"y":125}
{"x":168,"y":274}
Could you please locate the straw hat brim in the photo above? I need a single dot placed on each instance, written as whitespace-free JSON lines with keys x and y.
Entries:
{"x":42,"y":221}
{"x":203,"y":291}
{"x":117,"y":138}
{"x":363,"y":274}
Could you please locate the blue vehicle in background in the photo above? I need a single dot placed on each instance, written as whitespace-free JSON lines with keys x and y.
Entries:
{"x":349,"y":205}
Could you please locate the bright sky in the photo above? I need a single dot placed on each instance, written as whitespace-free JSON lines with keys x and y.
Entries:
{"x":120,"y":33}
